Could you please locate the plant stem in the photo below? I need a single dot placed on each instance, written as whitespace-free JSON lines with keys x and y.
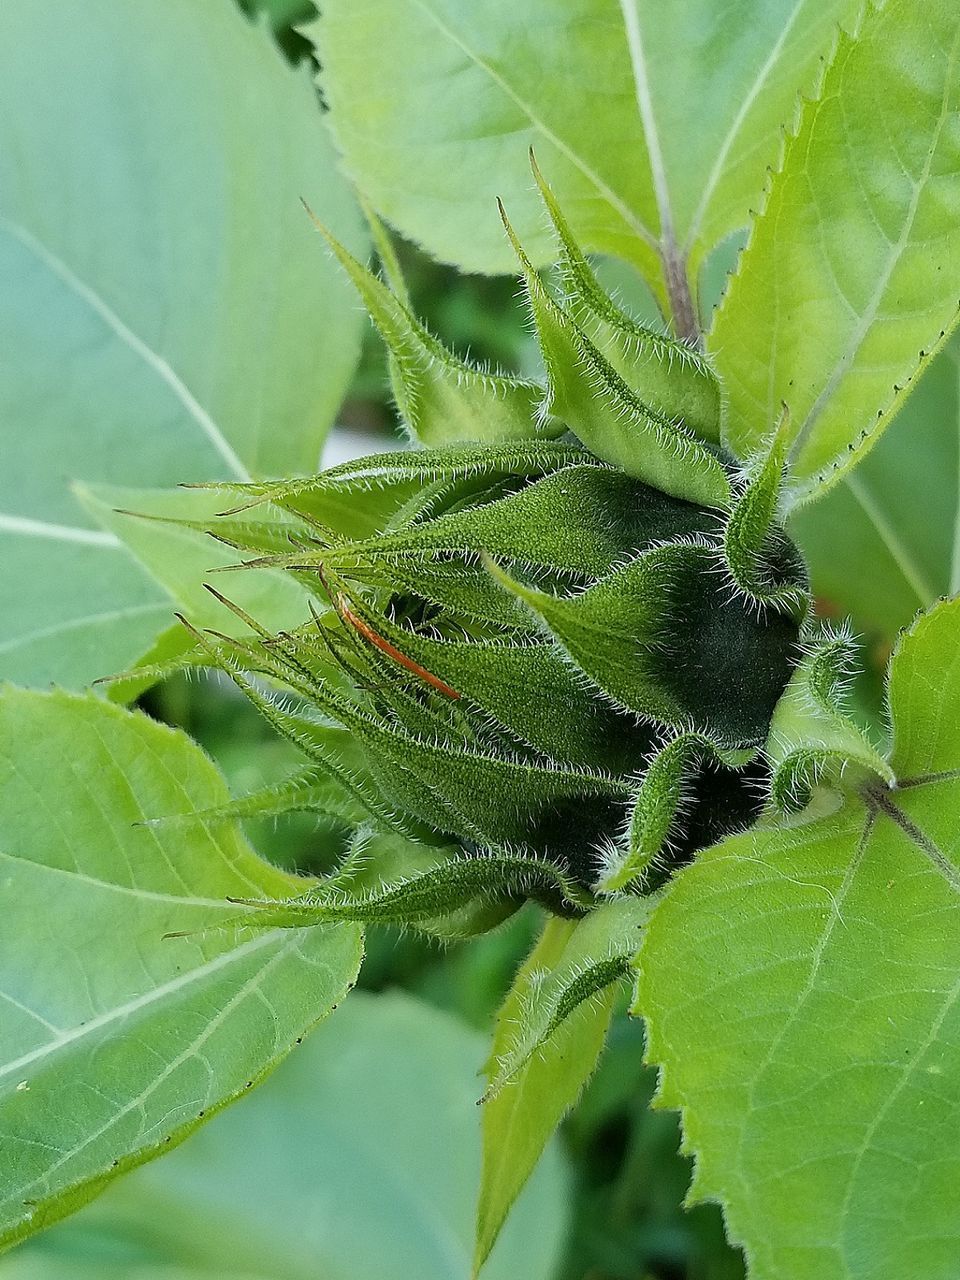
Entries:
{"x":685,"y":321}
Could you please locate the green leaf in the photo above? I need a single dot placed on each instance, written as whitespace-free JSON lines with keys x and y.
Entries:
{"x":885,"y":541}
{"x":549,"y":1034}
{"x":800,"y":987}
{"x":436,"y":105}
{"x":552,"y":523}
{"x":117,"y":1041}
{"x":361,"y":497}
{"x":597,"y":952}
{"x":173,"y":319}
{"x":849,"y":281}
{"x":358,"y":1160}
{"x":651,"y":122}
{"x":726,"y":96}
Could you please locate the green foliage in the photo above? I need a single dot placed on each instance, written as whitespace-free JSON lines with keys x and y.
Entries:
{"x":119,"y":1041}
{"x":861,"y":236}
{"x":554,"y":653}
{"x":282,"y":13}
{"x":753,"y":543}
{"x":819,"y":963}
{"x":359,"y":1174}
{"x":150,"y":241}
{"x":433,"y":161}
{"x":434,"y":102}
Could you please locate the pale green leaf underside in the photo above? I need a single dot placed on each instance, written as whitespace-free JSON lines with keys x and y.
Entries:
{"x":649,"y":121}
{"x":166,"y":312}
{"x":819,"y":965}
{"x":336,"y":1169}
{"x":117,"y":1040}
{"x":850,"y":279}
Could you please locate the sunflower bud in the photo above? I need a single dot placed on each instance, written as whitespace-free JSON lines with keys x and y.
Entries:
{"x":555,"y":640}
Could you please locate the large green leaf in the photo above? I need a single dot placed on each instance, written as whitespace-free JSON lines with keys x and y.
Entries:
{"x":849,"y":281}
{"x":885,"y":541}
{"x":117,"y":1040}
{"x":357,"y":1161}
{"x":802,"y":995}
{"x":723,"y":82}
{"x":653,"y":122}
{"x":166,"y":311}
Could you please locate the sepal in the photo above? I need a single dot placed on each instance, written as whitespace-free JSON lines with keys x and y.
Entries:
{"x":662,"y":638}
{"x":437,"y":890}
{"x":525,"y":688}
{"x":763,"y":564}
{"x":813,"y":745}
{"x":667,"y":819}
{"x":441,"y":398}
{"x":660,"y":798}
{"x":669,"y":377}
{"x":597,"y":404}
{"x":310,"y":791}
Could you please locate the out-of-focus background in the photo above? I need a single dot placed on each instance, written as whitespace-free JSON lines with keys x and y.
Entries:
{"x":359,"y":1158}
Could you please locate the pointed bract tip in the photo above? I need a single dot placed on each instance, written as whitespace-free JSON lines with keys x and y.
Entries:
{"x":184,"y":622}
{"x":217,"y":595}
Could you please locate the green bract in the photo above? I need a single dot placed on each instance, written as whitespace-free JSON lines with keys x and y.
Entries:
{"x":546,"y":650}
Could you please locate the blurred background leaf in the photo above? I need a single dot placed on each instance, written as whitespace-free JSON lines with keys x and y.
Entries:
{"x":359,"y":1160}
{"x":166,"y":311}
